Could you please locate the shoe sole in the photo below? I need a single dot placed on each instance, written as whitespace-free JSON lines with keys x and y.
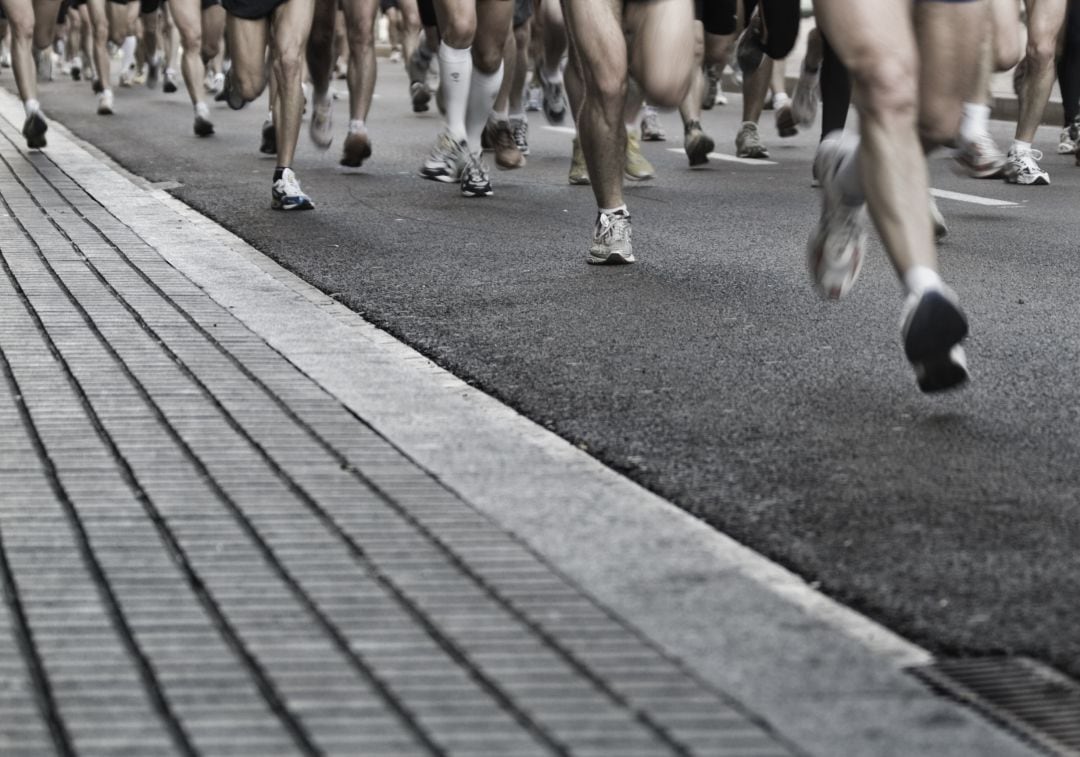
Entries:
{"x":973,"y":172}
{"x":654,"y":137}
{"x":934,"y":329}
{"x":580,"y":182}
{"x":477,"y":193}
{"x":276,"y":205}
{"x":445,"y":178}
{"x":1038,"y":181}
{"x":613,"y":258}
{"x":639,"y":177}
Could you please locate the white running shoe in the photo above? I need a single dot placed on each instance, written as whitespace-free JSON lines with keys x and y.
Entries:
{"x":611,"y":240}
{"x":1069,"y":140}
{"x":979,"y":158}
{"x":1022,"y":167}
{"x":286,"y":194}
{"x":931,"y":328}
{"x":447,"y":160}
{"x":836,"y":248}
{"x":105,"y":103}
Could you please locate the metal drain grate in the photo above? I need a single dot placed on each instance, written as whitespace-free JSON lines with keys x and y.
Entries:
{"x":1028,"y":697}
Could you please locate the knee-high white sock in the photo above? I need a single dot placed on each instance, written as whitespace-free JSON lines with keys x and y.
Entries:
{"x":482,"y":94}
{"x":128,"y":52}
{"x":455,"y":75}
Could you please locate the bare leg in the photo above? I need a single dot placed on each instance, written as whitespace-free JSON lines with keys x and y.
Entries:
{"x":1045,"y":18}
{"x":291,"y":25}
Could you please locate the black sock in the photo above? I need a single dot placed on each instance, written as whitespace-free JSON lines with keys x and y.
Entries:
{"x":278,"y":171}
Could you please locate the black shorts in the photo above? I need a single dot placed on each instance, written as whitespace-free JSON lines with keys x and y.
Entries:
{"x":253,"y":10}
{"x":523,"y":11}
{"x":206,"y":4}
{"x":149,"y":6}
{"x":717,"y":16}
{"x":782,"y":20}
{"x":427,"y":12}
{"x":385,"y":5}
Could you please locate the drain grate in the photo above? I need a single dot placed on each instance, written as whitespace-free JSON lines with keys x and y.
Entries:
{"x":1028,"y":697}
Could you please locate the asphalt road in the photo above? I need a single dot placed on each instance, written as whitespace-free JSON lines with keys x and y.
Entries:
{"x":710,"y":372}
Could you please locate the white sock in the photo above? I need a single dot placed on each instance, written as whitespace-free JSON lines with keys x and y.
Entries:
{"x":780,"y":100}
{"x":270,"y":116}
{"x":202,"y":110}
{"x":1020,"y":147}
{"x":919,"y":279}
{"x":482,"y":94}
{"x":128,"y":51}
{"x":455,"y":76}
{"x":356,"y":126}
{"x":621,"y":209}
{"x":553,"y":76}
{"x":31,"y":107}
{"x":975,"y":122}
{"x":500,"y":115}
{"x":517,"y":115}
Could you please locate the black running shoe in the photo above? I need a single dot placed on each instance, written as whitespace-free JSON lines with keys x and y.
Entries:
{"x":34,"y":130}
{"x":268,"y":146}
{"x":932,"y":328}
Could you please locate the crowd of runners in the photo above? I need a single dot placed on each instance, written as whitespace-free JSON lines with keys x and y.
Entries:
{"x":917,"y":74}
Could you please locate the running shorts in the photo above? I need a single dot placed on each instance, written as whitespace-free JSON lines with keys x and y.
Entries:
{"x":149,"y":6}
{"x":385,"y":5}
{"x":782,"y":21}
{"x":522,"y":12}
{"x":252,"y":10}
{"x":718,"y":16}
{"x":207,"y":4}
{"x":427,"y":12}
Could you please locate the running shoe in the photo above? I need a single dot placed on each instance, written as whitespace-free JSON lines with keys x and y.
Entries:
{"x":804,"y":103}
{"x":786,"y":125}
{"x":519,"y":127}
{"x":203,"y":126}
{"x":507,"y":154}
{"x":579,"y":171}
{"x":321,"y":128}
{"x":554,"y":101}
{"x":268,"y":146}
{"x":749,"y":51}
{"x":153,"y":73}
{"x":286,"y":193}
{"x":420,"y":95}
{"x":651,"y":130}
{"x":931,"y":328}
{"x":698,"y":144}
{"x":357,"y":149}
{"x":169,"y":84}
{"x":611,"y":240}
{"x":76,"y":68}
{"x":941,"y":229}
{"x":34,"y":129}
{"x":105,"y":103}
{"x":712,"y":87}
{"x":395,"y":55}
{"x":835,"y":249}
{"x":417,"y":66}
{"x":475,"y":180}
{"x":1022,"y":167}
{"x":636,"y":168}
{"x":980,"y":158}
{"x":748,"y":142}
{"x":5,"y":59}
{"x":97,"y":86}
{"x":447,"y":159}
{"x":127,"y":76}
{"x":1070,"y":138}
{"x":534,"y":97}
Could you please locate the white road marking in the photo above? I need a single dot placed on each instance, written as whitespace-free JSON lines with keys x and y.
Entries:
{"x":562,"y":129}
{"x":974,"y":199}
{"x":731,"y":158}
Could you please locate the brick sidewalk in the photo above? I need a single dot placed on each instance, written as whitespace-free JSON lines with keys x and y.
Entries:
{"x":203,"y":552}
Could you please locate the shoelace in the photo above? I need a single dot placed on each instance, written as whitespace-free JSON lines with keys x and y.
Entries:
{"x":475,"y":173}
{"x":520,"y":130}
{"x":612,"y":227}
{"x":1028,"y":160}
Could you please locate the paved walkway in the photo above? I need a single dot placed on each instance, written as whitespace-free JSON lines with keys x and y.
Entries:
{"x":204,"y":551}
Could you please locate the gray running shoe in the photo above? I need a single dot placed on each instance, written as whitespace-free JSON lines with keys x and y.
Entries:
{"x":748,"y":142}
{"x":446,"y":161}
{"x":554,"y":101}
{"x":651,"y":130}
{"x":835,"y":250}
{"x":698,"y":144}
{"x":611,"y":240}
{"x":321,"y":128}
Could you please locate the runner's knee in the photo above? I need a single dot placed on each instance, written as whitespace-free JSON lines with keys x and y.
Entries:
{"x":887,"y":89}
